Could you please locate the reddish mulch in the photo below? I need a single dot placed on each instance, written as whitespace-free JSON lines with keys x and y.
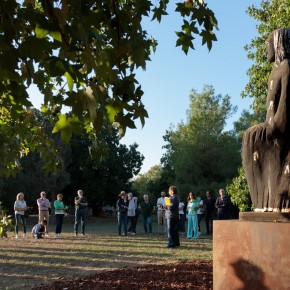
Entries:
{"x":183,"y":275}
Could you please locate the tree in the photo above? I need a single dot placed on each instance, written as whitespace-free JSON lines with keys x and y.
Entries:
{"x":81,"y":55}
{"x":103,"y":180}
{"x":199,"y":149}
{"x":152,"y":182}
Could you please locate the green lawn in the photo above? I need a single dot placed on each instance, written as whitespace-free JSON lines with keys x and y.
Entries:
{"x":24,"y":262}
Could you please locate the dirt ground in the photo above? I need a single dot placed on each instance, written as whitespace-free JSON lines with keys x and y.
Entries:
{"x":184,"y":275}
{"x":29,"y":264}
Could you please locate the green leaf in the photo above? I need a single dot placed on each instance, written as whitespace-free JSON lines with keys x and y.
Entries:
{"x":112,"y":111}
{"x":56,"y":35}
{"x":70,"y":81}
{"x":40,"y":32}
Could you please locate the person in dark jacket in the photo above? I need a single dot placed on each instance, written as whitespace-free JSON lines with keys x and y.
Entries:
{"x":223,"y":204}
{"x":146,"y":211}
{"x":172,"y":218}
{"x":209,"y":203}
{"x":122,"y":211}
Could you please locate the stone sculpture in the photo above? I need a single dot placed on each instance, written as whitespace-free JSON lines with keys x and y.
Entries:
{"x":266,"y":146}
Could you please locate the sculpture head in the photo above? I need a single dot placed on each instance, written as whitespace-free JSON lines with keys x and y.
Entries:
{"x":278,"y":45}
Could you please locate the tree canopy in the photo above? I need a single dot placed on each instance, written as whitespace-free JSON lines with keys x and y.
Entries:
{"x":81,"y":55}
{"x":203,"y":155}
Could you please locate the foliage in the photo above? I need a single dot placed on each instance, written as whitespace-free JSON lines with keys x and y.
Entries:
{"x":239,"y":191}
{"x":246,"y":121}
{"x":81,"y":56}
{"x":103,"y":180}
{"x":6,"y":223}
{"x":152,"y":182}
{"x":271,"y":15}
{"x":199,"y":149}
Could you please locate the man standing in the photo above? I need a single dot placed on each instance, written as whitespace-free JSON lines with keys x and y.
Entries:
{"x":223,"y":203}
{"x":81,"y":210}
{"x":43,"y":210}
{"x":146,"y":211}
{"x":122,"y":209}
{"x":161,"y":211}
{"x":172,"y":215}
{"x":209,"y":203}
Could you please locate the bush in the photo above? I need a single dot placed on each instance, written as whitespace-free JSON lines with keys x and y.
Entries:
{"x":239,"y":192}
{"x":6,"y":223}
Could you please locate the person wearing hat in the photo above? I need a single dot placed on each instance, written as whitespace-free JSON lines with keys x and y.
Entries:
{"x":122,"y":212}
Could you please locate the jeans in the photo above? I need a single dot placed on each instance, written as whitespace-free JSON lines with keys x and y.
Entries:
{"x":199,"y":218}
{"x":132,"y":220}
{"x":181,"y":224}
{"x":122,"y":219}
{"x":20,"y":217}
{"x":147,"y":220}
{"x":209,"y":222}
{"x":58,"y":221}
{"x":172,"y":232}
{"x":80,"y":215}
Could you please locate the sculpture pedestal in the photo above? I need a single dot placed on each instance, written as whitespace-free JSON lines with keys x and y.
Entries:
{"x":251,"y":255}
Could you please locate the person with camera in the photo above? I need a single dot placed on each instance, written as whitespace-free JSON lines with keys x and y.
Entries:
{"x":81,"y":212}
{"x":122,"y":213}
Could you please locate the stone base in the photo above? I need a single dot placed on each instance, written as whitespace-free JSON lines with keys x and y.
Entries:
{"x":251,"y":255}
{"x":274,"y":217}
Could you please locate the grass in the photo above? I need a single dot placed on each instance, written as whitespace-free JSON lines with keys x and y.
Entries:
{"x":26,"y":262}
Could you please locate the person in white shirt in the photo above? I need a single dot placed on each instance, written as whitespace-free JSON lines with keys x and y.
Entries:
{"x":181,"y":227}
{"x":132,"y":214}
{"x":161,"y":211}
{"x":199,"y":213}
{"x":20,"y":207}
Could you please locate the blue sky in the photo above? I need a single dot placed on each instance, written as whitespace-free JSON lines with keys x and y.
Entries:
{"x":171,"y":75}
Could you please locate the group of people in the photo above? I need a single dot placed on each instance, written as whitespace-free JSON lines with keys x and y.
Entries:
{"x":44,"y":207}
{"x":126,"y":211}
{"x":172,"y":213}
{"x":194,"y":211}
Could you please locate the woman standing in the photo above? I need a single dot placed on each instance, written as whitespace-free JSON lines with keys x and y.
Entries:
{"x":132,"y":214}
{"x":20,"y":207}
{"x":59,"y":208}
{"x":172,"y":218}
{"x":192,"y":208}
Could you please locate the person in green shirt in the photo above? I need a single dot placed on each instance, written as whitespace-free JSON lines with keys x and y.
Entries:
{"x":146,"y":211}
{"x":59,"y":211}
{"x":81,"y":210}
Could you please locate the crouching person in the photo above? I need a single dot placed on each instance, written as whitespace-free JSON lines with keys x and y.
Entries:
{"x":38,"y":230}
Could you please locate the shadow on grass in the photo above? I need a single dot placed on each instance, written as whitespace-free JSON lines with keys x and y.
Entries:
{"x":26,"y":262}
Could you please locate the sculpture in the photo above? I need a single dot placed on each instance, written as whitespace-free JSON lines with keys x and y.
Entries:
{"x":266,"y":146}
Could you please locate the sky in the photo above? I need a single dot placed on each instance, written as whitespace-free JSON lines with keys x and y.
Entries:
{"x":171,"y":75}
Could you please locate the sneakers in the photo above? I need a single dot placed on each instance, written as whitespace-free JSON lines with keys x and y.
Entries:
{"x":46,"y":235}
{"x":24,"y":235}
{"x":16,"y":236}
